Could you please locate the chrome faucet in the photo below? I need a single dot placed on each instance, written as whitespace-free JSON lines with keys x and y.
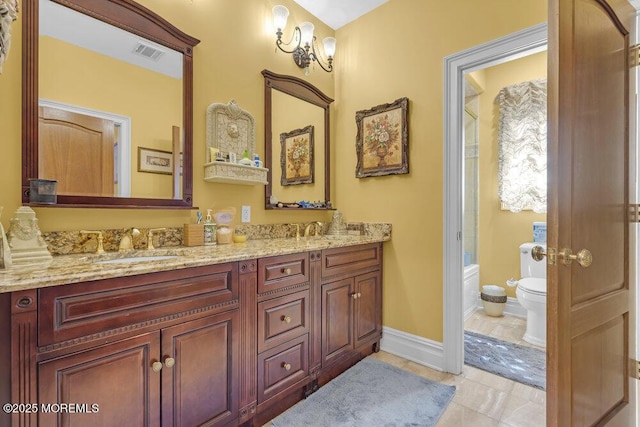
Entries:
{"x":100,"y":248}
{"x":150,"y":236}
{"x":126,"y":243}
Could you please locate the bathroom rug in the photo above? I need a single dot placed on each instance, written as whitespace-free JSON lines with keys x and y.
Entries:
{"x":517,"y":362}
{"x":371,"y":393}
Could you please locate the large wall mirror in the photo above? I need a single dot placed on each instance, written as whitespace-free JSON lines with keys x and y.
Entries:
{"x":297,"y":140}
{"x":107,"y":104}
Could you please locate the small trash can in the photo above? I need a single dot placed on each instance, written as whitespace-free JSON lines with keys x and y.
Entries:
{"x":493,"y":299}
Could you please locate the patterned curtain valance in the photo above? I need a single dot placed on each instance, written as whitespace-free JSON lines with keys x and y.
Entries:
{"x":522,"y":146}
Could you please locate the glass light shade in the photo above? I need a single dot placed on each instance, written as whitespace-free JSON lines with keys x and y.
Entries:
{"x":329,"y":46}
{"x":280,"y":15}
{"x":306,"y":33}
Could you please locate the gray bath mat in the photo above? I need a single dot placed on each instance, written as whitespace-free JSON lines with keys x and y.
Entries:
{"x":517,"y":362}
{"x":371,"y":393}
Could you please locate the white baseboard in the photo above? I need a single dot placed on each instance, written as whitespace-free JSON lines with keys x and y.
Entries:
{"x":428,"y":352}
{"x":412,"y":347}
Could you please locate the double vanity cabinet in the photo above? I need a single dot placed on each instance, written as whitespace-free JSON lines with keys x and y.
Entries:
{"x":227,"y":343}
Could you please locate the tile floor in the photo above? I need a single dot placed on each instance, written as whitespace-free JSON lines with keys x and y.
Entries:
{"x":483,"y":399}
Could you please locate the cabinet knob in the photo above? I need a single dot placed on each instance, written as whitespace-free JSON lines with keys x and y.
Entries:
{"x":156,"y":366}
{"x":286,"y":366}
{"x":169,"y":362}
{"x":286,"y":270}
{"x":286,"y":319}
{"x":359,"y":294}
{"x":354,"y":295}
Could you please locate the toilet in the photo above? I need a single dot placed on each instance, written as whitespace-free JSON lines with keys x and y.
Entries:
{"x":531,"y":293}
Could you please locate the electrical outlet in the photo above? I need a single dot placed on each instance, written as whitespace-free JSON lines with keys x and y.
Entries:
{"x":246,"y":214}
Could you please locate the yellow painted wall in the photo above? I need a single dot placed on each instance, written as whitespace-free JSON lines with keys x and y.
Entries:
{"x":500,"y":231}
{"x":237,"y":43}
{"x":394,"y":51}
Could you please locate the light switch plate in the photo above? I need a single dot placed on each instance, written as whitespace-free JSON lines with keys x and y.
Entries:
{"x":246,"y":214}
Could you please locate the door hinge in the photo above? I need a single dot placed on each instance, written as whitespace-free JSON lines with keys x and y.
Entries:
{"x":635,"y":369}
{"x":634,"y":55}
{"x":634,"y":212}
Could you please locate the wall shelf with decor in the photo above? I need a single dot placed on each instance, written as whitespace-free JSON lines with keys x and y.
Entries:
{"x":231,"y":136}
{"x":230,"y":173}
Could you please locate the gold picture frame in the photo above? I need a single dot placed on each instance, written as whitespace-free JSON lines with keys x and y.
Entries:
{"x":151,"y":160}
{"x":296,"y":156}
{"x":382,"y":142}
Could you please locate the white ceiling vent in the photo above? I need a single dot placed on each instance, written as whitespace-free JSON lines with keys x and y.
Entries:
{"x":148,"y":51}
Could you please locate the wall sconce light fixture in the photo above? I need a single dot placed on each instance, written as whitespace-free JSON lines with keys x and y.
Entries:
{"x":303,"y":43}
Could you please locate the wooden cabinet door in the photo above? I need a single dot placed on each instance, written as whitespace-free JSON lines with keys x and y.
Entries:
{"x":367,"y":315}
{"x":337,"y":318}
{"x":202,"y":386}
{"x":116,"y":377}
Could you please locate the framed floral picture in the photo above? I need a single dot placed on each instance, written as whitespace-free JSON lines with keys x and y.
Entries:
{"x":382,"y":141}
{"x":296,"y":156}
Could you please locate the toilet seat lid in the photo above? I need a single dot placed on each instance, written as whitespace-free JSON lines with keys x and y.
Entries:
{"x":533,"y":285}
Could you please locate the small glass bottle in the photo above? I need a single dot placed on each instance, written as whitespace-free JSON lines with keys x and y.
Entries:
{"x":209,"y":230}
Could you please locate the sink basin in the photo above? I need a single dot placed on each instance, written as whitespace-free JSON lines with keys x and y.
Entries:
{"x":136,"y":259}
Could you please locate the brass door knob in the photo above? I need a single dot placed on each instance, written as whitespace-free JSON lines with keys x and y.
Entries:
{"x":584,"y":257}
{"x":538,"y":253}
{"x":286,"y":319}
{"x":286,"y":366}
{"x":156,"y":366}
{"x":169,"y":362}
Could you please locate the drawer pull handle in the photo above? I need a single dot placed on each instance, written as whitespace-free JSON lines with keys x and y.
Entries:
{"x":169,"y":362}
{"x":286,"y":270}
{"x":286,"y":319}
{"x":156,"y":366}
{"x":286,"y":366}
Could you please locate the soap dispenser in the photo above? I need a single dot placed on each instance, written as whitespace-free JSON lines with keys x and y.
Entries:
{"x":209,"y":230}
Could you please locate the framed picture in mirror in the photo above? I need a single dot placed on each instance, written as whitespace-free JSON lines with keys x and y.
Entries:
{"x":296,"y":156}
{"x":155,"y":161}
{"x":383,"y":139}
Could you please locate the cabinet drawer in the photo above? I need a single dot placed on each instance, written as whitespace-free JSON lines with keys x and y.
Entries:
{"x":282,"y":271}
{"x":282,"y":366}
{"x":113,"y":305}
{"x":281,"y":319}
{"x":349,"y":260}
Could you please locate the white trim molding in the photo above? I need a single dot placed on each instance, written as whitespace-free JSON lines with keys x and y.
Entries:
{"x":517,"y":45}
{"x":412,"y":347}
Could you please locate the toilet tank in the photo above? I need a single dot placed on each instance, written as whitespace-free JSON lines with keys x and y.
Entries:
{"x":529,"y":267}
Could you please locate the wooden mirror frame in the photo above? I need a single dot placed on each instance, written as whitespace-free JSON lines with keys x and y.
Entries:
{"x":307,"y":92}
{"x":132,"y":17}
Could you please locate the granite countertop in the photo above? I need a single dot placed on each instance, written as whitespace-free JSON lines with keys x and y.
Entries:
{"x":66,"y":269}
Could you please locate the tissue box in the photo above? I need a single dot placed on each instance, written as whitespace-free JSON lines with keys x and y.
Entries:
{"x":539,"y":232}
{"x":193,"y":235}
{"x":43,"y":191}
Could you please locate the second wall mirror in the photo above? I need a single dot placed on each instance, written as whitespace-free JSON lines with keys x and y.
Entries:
{"x":297,"y":140}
